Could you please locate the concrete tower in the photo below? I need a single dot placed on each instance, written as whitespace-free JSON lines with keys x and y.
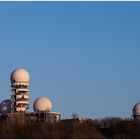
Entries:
{"x":19,"y":90}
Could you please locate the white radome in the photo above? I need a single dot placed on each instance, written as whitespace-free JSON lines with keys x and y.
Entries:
{"x":20,"y":75}
{"x":42,"y":104}
{"x":136,"y":109}
{"x":5,"y":106}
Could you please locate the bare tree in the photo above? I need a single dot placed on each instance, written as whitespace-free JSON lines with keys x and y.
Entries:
{"x":75,"y":116}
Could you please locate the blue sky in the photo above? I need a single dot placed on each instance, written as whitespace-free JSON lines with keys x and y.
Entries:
{"x":83,"y":56}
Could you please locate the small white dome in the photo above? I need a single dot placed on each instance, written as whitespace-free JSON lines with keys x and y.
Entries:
{"x":5,"y":106}
{"x":42,"y":104}
{"x":20,"y":75}
{"x":136,"y":109}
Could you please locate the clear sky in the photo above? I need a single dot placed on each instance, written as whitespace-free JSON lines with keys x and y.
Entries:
{"x":83,"y":56}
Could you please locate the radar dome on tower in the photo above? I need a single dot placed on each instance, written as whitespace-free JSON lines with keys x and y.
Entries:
{"x":42,"y":104}
{"x":136,"y":109}
{"x":20,"y":75}
{"x":20,"y":90}
{"x":5,"y":106}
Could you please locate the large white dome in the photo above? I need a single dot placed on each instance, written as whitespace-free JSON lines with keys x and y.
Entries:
{"x":20,"y":75}
{"x":136,"y":109}
{"x":42,"y":104}
{"x":5,"y":106}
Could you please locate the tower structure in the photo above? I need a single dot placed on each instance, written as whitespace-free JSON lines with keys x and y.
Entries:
{"x":19,"y":90}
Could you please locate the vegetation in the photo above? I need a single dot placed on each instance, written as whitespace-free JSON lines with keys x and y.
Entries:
{"x":70,"y":129}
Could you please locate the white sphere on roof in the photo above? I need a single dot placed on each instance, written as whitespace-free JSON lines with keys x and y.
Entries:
{"x":42,"y":104}
{"x":5,"y":106}
{"x":136,"y":109}
{"x":20,"y":75}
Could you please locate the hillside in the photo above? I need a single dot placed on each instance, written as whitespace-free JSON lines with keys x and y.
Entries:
{"x":70,"y":129}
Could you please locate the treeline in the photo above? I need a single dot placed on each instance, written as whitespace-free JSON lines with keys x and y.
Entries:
{"x":70,"y":129}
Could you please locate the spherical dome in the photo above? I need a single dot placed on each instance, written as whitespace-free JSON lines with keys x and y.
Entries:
{"x":20,"y":75}
{"x":5,"y":106}
{"x":42,"y":104}
{"x":136,"y":109}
